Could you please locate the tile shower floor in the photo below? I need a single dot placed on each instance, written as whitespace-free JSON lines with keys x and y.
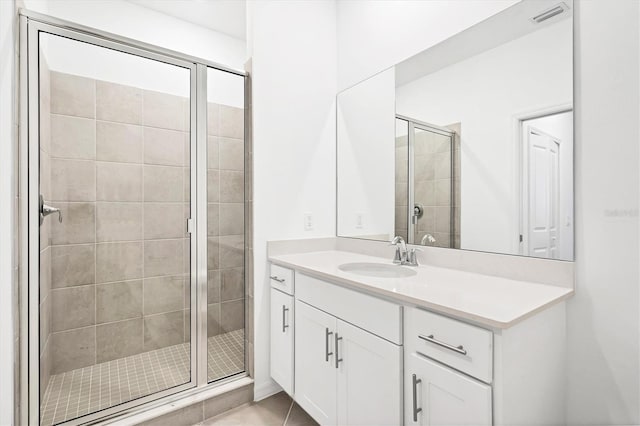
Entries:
{"x":86,"y":390}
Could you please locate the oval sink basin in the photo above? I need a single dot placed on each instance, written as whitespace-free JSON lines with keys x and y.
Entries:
{"x":378,"y":270}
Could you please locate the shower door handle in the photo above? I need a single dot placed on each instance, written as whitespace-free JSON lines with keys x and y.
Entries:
{"x":46,"y":210}
{"x":418,"y":211}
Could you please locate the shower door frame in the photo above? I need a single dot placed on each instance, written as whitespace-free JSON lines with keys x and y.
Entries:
{"x":31,"y":25}
{"x":412,"y":125}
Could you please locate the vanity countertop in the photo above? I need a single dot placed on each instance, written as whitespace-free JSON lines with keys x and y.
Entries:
{"x":487,"y":300}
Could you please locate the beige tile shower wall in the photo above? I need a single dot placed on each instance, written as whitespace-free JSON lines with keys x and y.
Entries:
{"x":226,"y":212}
{"x":45,"y":229}
{"x":432,"y":187}
{"x":120,"y":260}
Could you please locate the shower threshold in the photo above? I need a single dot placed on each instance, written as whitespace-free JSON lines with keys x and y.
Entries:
{"x":86,"y":390}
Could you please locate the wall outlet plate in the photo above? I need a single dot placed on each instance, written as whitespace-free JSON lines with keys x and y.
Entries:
{"x":308,"y":222}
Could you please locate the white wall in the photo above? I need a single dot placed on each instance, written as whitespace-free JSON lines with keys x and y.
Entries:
{"x":293,"y":48}
{"x":366,"y":129}
{"x":485,"y":93}
{"x":375,"y":35}
{"x":7,"y":195}
{"x":560,"y":126}
{"x":603,"y":316}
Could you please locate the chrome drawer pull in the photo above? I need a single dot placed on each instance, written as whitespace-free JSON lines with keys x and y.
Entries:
{"x":275,"y":278}
{"x":338,"y":359}
{"x":327,"y":333}
{"x":459,"y":349}
{"x":284,"y":313}
{"x":416,"y":410}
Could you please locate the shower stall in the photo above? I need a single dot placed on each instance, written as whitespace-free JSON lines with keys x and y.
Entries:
{"x":427,"y":183}
{"x":133,"y":229}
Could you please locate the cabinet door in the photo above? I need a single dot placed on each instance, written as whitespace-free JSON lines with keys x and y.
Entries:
{"x":282,"y":330}
{"x":441,"y":396}
{"x":315,"y":373}
{"x":369,"y":378}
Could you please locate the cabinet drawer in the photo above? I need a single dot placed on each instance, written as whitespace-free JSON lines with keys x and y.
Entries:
{"x":462,"y":346}
{"x":281,"y":278}
{"x":375,"y":315}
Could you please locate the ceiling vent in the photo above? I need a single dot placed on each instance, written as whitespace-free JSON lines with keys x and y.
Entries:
{"x":550,"y":13}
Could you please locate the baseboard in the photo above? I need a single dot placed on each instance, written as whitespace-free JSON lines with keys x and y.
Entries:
{"x":265,"y":390}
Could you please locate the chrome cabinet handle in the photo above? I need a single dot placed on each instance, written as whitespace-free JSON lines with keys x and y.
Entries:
{"x":327,"y":333}
{"x":275,"y":278}
{"x":459,"y":349}
{"x":416,"y":410}
{"x":338,"y":359}
{"x":46,"y":210}
{"x":284,"y":313}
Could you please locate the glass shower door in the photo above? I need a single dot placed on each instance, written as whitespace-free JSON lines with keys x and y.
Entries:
{"x":431,"y":216}
{"x":401,"y":178}
{"x":115,"y":253}
{"x":226,"y":225}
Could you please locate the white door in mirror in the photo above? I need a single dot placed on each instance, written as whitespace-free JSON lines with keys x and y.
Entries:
{"x":544,"y":174}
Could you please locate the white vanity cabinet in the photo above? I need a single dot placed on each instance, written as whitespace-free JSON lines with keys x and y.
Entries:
{"x":282,"y":327}
{"x":282,"y":332}
{"x":369,"y":378}
{"x":351,"y":358}
{"x":436,"y":393}
{"x":460,"y":374}
{"x":315,"y":378}
{"x":348,"y":355}
{"x":345,"y":375}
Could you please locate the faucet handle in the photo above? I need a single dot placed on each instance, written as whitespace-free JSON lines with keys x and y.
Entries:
{"x":412,"y":258}
{"x":397,"y":259}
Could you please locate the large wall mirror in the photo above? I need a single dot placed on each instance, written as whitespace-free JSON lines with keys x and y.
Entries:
{"x":468,"y":144}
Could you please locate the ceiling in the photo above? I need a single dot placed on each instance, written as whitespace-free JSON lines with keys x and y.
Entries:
{"x":505,"y":26}
{"x":225,"y":16}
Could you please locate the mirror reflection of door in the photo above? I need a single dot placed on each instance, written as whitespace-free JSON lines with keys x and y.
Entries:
{"x":543,"y":193}
{"x":546,"y":207}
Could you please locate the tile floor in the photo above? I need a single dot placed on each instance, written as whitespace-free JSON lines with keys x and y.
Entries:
{"x":85,"y":390}
{"x":278,"y":409}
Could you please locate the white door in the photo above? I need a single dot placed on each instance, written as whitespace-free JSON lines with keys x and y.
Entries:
{"x":436,"y":395}
{"x":282,"y":326}
{"x":543,"y":194}
{"x":369,"y":378}
{"x":315,"y":372}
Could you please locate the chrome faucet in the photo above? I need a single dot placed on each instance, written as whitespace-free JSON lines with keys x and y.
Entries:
{"x":404,"y":256}
{"x":401,"y":250}
{"x":428,"y":238}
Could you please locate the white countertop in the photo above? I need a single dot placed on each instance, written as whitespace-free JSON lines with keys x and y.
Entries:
{"x":492,"y":301}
